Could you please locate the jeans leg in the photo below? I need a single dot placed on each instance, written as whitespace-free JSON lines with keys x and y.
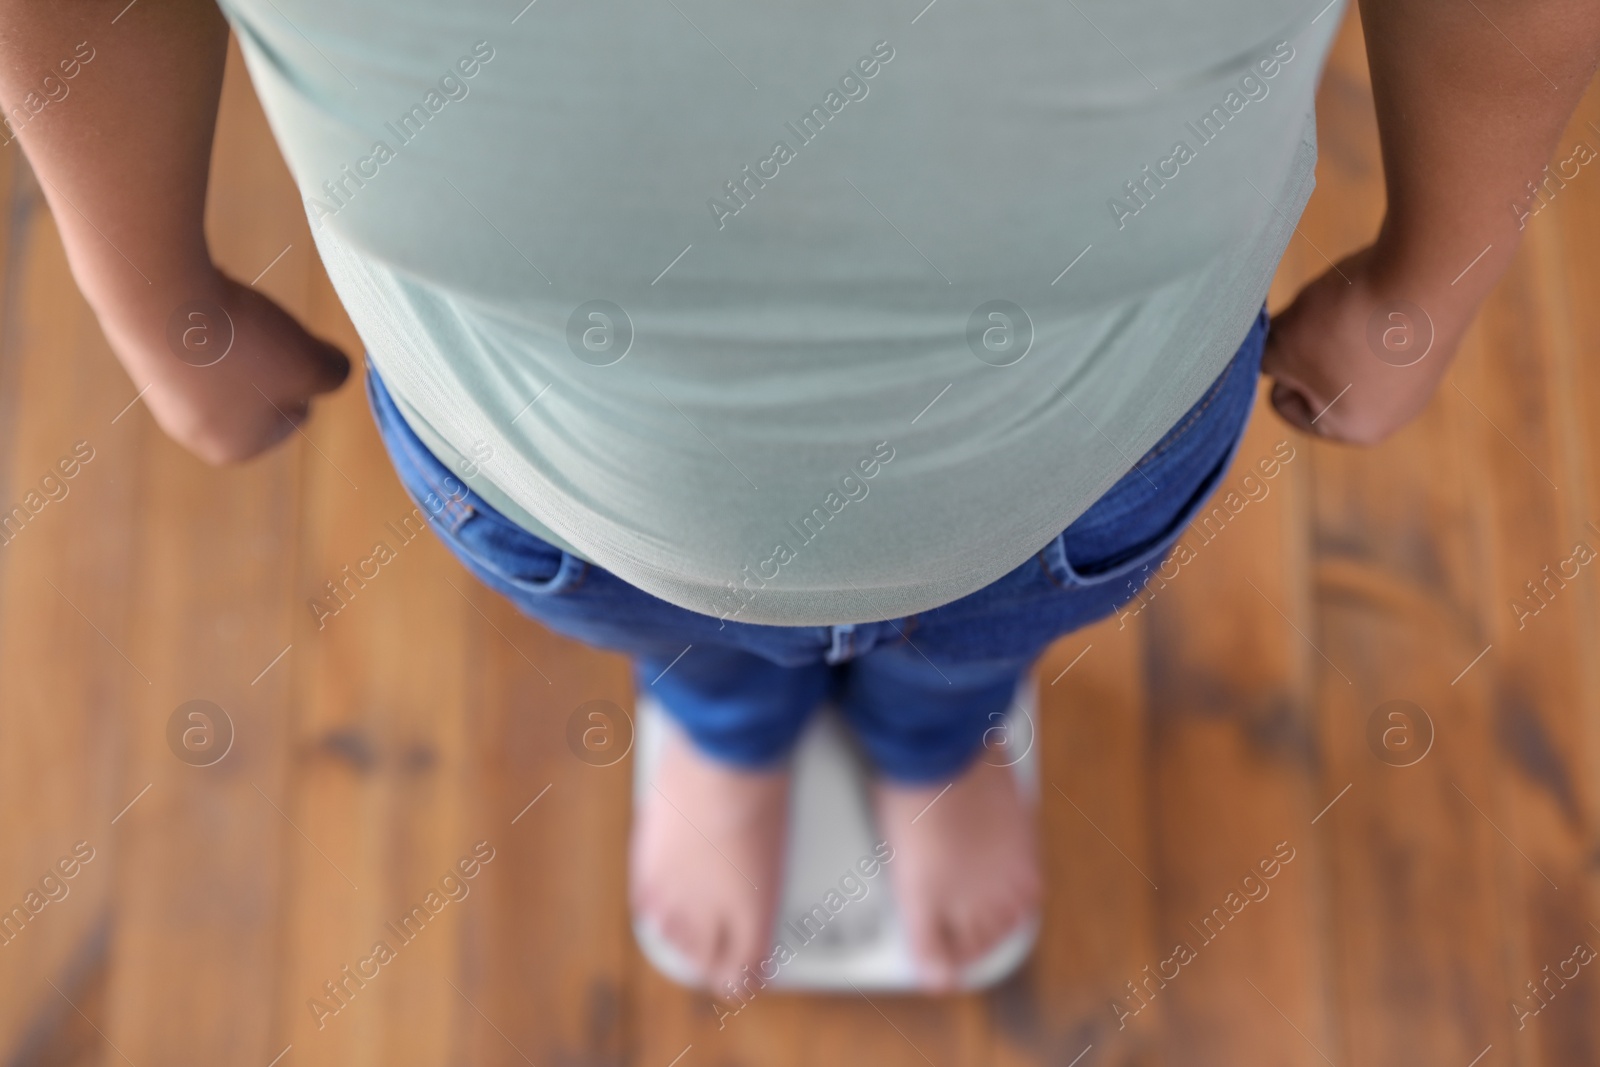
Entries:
{"x":922,"y":722}
{"x":735,"y":706}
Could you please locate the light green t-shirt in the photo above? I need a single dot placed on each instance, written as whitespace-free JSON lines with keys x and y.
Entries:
{"x":802,"y":312}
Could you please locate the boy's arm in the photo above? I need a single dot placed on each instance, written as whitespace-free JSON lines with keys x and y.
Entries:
{"x":122,"y":149}
{"x":1471,"y":96}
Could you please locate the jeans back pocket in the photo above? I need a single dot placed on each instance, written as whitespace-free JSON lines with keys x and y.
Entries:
{"x":497,"y":550}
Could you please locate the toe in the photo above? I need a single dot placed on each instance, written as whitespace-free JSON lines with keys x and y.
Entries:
{"x":1030,"y":889}
{"x":974,"y":932}
{"x":742,"y":948}
{"x":722,"y":965}
{"x":747,"y":946}
{"x":934,"y":946}
{"x":641,"y":901}
{"x":1002,"y":922}
{"x":680,"y":929}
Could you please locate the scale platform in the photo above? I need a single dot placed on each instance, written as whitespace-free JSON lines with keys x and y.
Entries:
{"x":862,"y":943}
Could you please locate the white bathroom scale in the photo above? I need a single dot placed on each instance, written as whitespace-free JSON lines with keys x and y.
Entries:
{"x":838,"y":936}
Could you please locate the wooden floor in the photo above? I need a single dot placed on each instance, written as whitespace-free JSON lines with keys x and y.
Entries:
{"x":1226,"y":720}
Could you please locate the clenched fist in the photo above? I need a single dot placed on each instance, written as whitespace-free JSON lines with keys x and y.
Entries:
{"x":232,"y":373}
{"x":1359,"y":353}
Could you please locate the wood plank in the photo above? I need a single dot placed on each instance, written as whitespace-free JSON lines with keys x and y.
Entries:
{"x":60,"y":679}
{"x":1099,"y":914}
{"x":1231,"y":781}
{"x":1529,"y":435}
{"x":1570,"y":270}
{"x":1411,"y":865}
{"x":548,"y":958}
{"x":378,"y":775}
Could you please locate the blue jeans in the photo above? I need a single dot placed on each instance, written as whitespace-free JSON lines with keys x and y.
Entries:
{"x":919,"y":692}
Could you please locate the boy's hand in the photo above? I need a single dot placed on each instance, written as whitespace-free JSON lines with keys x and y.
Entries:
{"x":1359,"y":354}
{"x":228,"y":372}
{"x":233,"y":373}
{"x":1466,"y":120}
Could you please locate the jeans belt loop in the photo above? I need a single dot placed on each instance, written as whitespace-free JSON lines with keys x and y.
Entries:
{"x":843,"y":642}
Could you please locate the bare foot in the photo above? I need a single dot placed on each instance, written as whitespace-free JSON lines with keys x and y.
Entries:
{"x":707,"y":857}
{"x":966,"y":864}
